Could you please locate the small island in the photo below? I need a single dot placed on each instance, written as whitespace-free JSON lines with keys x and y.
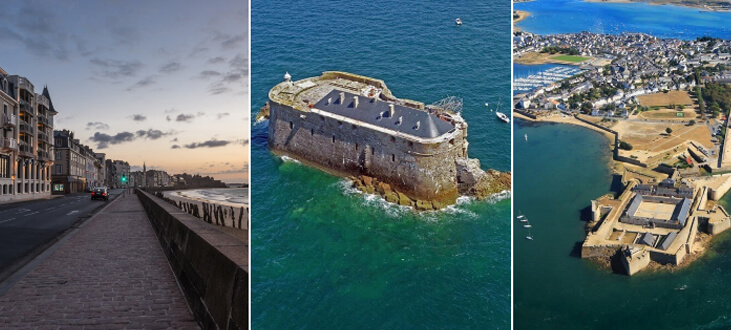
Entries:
{"x":410,"y":153}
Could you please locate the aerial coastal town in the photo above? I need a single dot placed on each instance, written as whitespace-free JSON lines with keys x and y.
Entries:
{"x":664,"y":104}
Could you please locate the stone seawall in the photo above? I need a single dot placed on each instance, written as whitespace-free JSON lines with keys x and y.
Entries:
{"x":210,"y":266}
{"x":423,"y":170}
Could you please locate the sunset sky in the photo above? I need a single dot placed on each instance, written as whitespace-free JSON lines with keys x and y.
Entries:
{"x":161,"y":82}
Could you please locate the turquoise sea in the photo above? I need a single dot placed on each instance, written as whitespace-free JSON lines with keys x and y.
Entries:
{"x":325,"y":256}
{"x":557,"y":173}
{"x":570,"y":16}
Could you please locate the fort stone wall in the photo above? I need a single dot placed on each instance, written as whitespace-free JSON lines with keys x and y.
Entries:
{"x":421,"y":170}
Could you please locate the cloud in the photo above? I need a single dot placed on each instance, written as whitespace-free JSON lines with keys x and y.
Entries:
{"x":184,"y":117}
{"x":97,"y":125}
{"x":228,"y":42}
{"x":171,"y":67}
{"x":138,"y":117}
{"x":175,"y":146}
{"x":115,"y":69}
{"x":171,"y":110}
{"x":216,"y":60}
{"x":213,"y":143}
{"x":152,"y":134}
{"x":222,"y":114}
{"x":38,"y":30}
{"x":147,"y":81}
{"x":206,"y":74}
{"x":233,"y":42}
{"x":104,"y":140}
{"x":240,"y":62}
{"x":234,"y":79}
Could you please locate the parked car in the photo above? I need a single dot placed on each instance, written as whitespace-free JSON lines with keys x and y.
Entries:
{"x":100,"y":193}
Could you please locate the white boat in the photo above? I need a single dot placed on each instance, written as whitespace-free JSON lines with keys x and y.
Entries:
{"x":529,"y":237}
{"x":526,"y":137}
{"x":527,"y":226}
{"x":458,"y":21}
{"x":502,"y":116}
{"x":522,"y":218}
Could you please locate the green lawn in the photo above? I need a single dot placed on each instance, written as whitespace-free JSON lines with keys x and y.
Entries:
{"x":570,"y":58}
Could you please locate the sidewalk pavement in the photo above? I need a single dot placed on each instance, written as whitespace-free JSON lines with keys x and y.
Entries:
{"x":111,"y":274}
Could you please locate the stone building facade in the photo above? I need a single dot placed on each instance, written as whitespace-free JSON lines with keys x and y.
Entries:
{"x":77,"y":168}
{"x":26,"y":139}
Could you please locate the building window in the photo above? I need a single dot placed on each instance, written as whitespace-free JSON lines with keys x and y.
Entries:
{"x":58,"y":169}
{"x":312,"y":131}
{"x":291,"y":125}
{"x":393,"y":157}
{"x":356,"y":147}
{"x":333,"y":138}
{"x":393,"y":139}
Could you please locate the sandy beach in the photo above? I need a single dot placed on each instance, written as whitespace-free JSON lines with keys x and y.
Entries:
{"x":565,"y":119}
{"x":189,"y":196}
{"x":521,"y":16}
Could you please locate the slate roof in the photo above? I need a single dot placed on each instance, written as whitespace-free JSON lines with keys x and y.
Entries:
{"x":377,"y":112}
{"x":648,"y":239}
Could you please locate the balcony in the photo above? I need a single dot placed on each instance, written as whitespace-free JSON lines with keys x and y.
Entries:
{"x":9,"y":120}
{"x":27,"y":128}
{"x":8,"y":144}
{"x":43,"y":120}
{"x":42,"y":137}
{"x":25,"y":106}
{"x":25,"y":150}
{"x":43,"y":155}
{"x":25,"y":84}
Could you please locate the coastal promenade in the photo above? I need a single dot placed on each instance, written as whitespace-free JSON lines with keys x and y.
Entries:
{"x":109,"y":274}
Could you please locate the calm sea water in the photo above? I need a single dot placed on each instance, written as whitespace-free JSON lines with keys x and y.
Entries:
{"x":324,"y":256}
{"x":568,"y":16}
{"x":557,"y":172}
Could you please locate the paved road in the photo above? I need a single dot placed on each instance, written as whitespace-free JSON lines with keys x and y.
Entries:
{"x":110,"y":274}
{"x":28,"y":226}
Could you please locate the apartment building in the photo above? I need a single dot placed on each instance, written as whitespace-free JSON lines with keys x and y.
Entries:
{"x":25,"y":139}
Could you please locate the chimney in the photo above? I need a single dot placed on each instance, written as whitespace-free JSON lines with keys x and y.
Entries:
{"x":342,"y":98}
{"x":418,"y":124}
{"x":392,"y":110}
{"x":355,"y":101}
{"x":329,"y":101}
{"x":400,"y":120}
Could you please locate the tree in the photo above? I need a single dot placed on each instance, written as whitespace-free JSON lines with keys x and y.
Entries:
{"x":669,"y":130}
{"x":624,"y":145}
{"x":691,"y":122}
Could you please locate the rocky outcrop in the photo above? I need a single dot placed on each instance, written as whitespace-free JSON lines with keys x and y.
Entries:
{"x":472,"y":180}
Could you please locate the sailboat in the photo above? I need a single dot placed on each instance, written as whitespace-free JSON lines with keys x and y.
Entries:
{"x":522,"y":218}
{"x":529,"y":237}
{"x":501,"y":115}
